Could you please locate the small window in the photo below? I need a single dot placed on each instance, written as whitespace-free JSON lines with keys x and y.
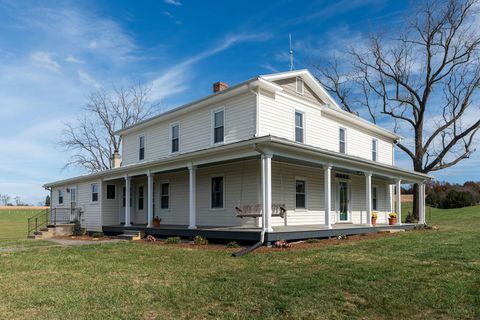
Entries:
{"x":73,"y":194}
{"x":95,"y":192}
{"x":175,"y":138}
{"x":217,"y":193}
{"x":141,"y":149}
{"x":124,"y":197}
{"x":342,"y":140}
{"x":110,"y":191}
{"x":299,"y":85}
{"x":374,"y":149}
{"x":140,"y":198}
{"x":164,"y":196}
{"x":300,"y":196}
{"x":299,"y":122}
{"x":218,"y":126}
{"x":374,"y":199}
{"x":60,"y":196}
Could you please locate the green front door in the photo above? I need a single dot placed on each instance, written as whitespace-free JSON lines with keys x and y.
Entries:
{"x":343,"y":200}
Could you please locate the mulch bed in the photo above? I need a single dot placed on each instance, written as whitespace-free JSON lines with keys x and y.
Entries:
{"x":83,"y":238}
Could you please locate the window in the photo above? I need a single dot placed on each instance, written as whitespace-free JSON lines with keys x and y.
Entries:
{"x":110,"y":191}
{"x":140,"y":198}
{"x":164,"y":198}
{"x":299,"y":127}
{"x":218,"y":126}
{"x":374,"y":149}
{"x":374,"y":199}
{"x":300,"y":196}
{"x":141,"y":148}
{"x":60,"y":196}
{"x":175,"y":138}
{"x":124,"y":197}
{"x":95,"y":192}
{"x":217,"y":193}
{"x":342,"y":140}
{"x":73,"y":194}
{"x":299,"y":85}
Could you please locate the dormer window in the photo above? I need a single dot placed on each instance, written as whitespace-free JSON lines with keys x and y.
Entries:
{"x":299,"y":85}
{"x":141,"y":147}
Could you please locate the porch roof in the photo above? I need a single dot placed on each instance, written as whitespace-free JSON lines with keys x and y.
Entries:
{"x":245,"y":149}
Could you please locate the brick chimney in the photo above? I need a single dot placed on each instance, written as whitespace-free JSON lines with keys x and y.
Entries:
{"x":219,"y":86}
{"x":116,"y":160}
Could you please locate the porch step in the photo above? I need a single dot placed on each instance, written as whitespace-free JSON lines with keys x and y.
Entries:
{"x":52,"y":231}
{"x":131,"y":235}
{"x":391,"y":230}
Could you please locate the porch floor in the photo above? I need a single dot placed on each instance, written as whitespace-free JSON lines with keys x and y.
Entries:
{"x":299,"y":232}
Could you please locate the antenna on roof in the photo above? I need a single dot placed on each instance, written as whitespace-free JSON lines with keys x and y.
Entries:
{"x":291,"y":52}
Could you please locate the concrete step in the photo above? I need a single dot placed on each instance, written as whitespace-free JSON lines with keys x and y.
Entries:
{"x":391,"y":230}
{"x":129,"y":236}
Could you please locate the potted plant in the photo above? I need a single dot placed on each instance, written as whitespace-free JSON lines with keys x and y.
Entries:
{"x":392,"y":218}
{"x":374,"y":218}
{"x":156,"y":222}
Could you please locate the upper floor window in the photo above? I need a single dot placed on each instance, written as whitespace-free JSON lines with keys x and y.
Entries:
{"x":300,"y":194}
{"x":140,"y":197}
{"x":141,"y":147}
{"x":175,"y":137}
{"x":299,"y":130}
{"x":299,"y":85}
{"x":374,"y":149}
{"x":164,"y":196}
{"x":60,"y":196}
{"x":342,"y":140}
{"x":374,"y":199}
{"x":110,"y":191}
{"x":94,"y":192}
{"x":217,"y":193}
{"x":218,"y":126}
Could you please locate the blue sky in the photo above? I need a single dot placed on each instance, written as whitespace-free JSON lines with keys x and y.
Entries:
{"x":52,"y":54}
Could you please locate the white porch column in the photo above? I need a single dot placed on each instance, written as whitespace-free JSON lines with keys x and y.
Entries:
{"x":327,"y":177}
{"x":399,"y":201}
{"x":149,"y":199}
{"x":192,"y":194}
{"x":368,"y":198}
{"x":267,"y":191}
{"x":421,"y":203}
{"x":127,"y":201}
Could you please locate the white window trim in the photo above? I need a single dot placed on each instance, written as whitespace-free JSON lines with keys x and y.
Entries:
{"x":98,"y":191}
{"x":376,"y":149}
{"x":144,"y":147}
{"x":74,"y":187}
{"x":296,"y":86}
{"x":63,"y":197}
{"x":223,"y":191}
{"x":337,"y":200}
{"x":306,"y":194}
{"x":213,"y":126}
{"x":106,"y":191}
{"x":160,"y":195}
{"x":171,"y":137}
{"x":346,"y":139}
{"x":304,"y":120}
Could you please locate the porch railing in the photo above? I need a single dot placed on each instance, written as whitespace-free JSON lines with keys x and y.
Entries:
{"x":52,"y":217}
{"x":39,"y":220}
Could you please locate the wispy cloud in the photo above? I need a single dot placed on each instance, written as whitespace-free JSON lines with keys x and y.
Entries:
{"x":45,"y":60}
{"x":173,"y":2}
{"x":88,"y":80}
{"x":73,"y":59}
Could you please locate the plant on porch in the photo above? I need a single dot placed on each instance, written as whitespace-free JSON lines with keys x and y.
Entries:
{"x":156,"y":222}
{"x":392,"y":218}
{"x":374,"y":218}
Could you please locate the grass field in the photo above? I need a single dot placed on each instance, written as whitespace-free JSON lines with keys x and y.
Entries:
{"x":418,"y":274}
{"x":13,"y":228}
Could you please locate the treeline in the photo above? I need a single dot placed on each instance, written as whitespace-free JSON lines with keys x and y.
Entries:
{"x":447,"y":195}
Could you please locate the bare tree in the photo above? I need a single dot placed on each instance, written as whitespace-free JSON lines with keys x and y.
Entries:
{"x":5,"y":199}
{"x":18,"y":201}
{"x":92,"y":137}
{"x":424,"y":79}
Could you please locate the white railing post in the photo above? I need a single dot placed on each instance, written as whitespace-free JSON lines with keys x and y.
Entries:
{"x":399,"y":201}
{"x":421,"y":203}
{"x":368,"y":198}
{"x":192,"y":195}
{"x":327,"y":177}
{"x":127,"y":200}
{"x":149,"y":199}
{"x":267,"y":191}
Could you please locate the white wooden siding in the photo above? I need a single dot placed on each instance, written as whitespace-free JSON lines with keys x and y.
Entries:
{"x":92,"y":211}
{"x":195,"y":130}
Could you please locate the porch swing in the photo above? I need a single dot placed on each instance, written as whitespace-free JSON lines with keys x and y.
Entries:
{"x":255,"y":210}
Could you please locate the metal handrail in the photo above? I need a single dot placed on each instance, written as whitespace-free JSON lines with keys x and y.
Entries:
{"x":50,"y":217}
{"x":37,"y":221}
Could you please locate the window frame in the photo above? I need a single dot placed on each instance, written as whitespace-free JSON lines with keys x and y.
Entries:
{"x":223,"y":191}
{"x":214,"y":112}
{"x":92,"y":192}
{"x":375,"y":150}
{"x":302,"y":113}
{"x":140,"y":154}
{"x":114,"y":192}
{"x":374,"y":196}
{"x":176,"y":124}
{"x":73,"y":194}
{"x":344,"y":141}
{"x":61,"y":195}
{"x":302,"y":92}
{"x":161,"y":195}
{"x":305,"y":194}
{"x":141,"y":196}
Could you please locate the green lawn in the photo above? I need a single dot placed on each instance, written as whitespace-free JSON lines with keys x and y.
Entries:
{"x":418,"y":274}
{"x":13,"y":229}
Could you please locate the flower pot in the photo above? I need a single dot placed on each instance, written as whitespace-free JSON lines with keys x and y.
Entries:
{"x":156,"y":223}
{"x":374,"y":221}
{"x":392,"y":221}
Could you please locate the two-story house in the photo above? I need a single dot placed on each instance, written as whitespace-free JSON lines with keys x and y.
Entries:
{"x":272,"y":154}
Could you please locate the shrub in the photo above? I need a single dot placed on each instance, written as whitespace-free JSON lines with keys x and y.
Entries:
{"x":98,"y":235}
{"x":200,"y":241}
{"x":233,"y":244}
{"x":173,"y":240}
{"x":77,"y":228}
